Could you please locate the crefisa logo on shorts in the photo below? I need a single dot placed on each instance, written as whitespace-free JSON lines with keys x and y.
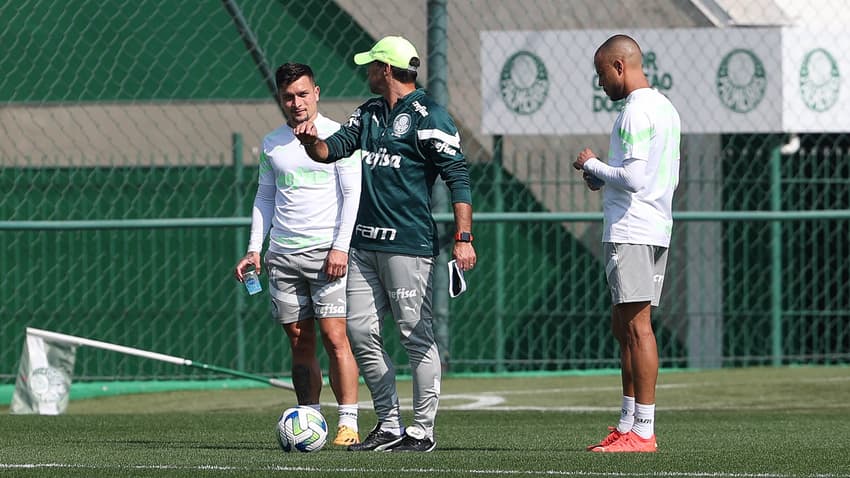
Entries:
{"x":330,"y":309}
{"x":524,"y":83}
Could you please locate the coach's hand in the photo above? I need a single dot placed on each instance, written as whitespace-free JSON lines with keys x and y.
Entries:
{"x":314,"y":147}
{"x":464,"y":254}
{"x":306,"y":132}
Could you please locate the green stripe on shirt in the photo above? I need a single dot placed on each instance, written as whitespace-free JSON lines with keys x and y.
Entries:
{"x":265,"y":164}
{"x":637,"y":137}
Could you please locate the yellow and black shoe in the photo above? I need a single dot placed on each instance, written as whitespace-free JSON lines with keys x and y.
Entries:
{"x":346,"y":436}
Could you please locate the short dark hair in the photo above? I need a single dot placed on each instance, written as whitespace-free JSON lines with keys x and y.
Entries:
{"x":406,"y":75}
{"x":287,"y":73}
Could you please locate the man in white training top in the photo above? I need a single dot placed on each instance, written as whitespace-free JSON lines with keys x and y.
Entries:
{"x":310,"y":208}
{"x":638,"y":182}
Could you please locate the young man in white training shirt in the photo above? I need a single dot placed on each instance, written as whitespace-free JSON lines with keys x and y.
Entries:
{"x":639,"y":179}
{"x":309,"y":209}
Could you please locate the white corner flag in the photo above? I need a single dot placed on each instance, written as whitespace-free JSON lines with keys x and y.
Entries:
{"x":43,"y":385}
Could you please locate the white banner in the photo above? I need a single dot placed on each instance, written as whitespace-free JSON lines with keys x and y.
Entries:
{"x":734,"y":80}
{"x":44,"y":377}
{"x":815,"y":95}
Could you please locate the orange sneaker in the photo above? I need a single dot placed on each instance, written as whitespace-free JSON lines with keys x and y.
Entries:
{"x":346,"y":436}
{"x":629,"y":443}
{"x":613,"y":435}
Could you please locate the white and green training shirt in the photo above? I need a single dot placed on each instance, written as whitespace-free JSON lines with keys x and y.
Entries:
{"x":308,"y":205}
{"x":644,"y":144}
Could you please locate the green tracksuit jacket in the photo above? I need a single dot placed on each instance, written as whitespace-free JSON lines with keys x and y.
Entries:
{"x":403,"y":151}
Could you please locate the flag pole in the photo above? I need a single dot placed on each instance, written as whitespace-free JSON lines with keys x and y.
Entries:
{"x":55,"y":336}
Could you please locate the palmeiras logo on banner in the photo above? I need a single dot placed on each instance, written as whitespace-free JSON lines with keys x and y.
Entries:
{"x":524,"y":83}
{"x":820,"y":80}
{"x":741,"y":80}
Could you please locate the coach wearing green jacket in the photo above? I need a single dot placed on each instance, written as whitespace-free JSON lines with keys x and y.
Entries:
{"x":406,"y":140}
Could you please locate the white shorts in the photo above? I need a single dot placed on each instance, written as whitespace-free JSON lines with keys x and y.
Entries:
{"x":635,"y":272}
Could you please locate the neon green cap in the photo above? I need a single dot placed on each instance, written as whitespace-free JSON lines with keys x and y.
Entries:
{"x":395,"y":51}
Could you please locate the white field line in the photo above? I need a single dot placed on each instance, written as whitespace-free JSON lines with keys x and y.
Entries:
{"x":614,"y":388}
{"x":425,"y":471}
{"x":826,"y":379}
{"x":493,"y":399}
{"x":494,"y":403}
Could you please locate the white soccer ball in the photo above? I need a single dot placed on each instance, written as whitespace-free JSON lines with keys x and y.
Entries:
{"x":302,"y":429}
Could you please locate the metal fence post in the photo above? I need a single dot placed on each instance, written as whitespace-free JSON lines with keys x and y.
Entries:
{"x":776,"y":255}
{"x":499,"y":254}
{"x":438,"y":90}
{"x":241,"y":245}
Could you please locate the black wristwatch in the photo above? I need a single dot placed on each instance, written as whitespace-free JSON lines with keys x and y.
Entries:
{"x":463,"y":237}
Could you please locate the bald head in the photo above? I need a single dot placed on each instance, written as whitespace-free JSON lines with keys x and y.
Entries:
{"x":619,"y":64}
{"x":621,"y":47}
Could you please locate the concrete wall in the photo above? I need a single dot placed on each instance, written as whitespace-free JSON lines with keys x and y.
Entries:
{"x":139,"y":134}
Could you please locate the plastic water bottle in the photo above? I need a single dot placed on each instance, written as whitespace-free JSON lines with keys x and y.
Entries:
{"x":252,"y":282}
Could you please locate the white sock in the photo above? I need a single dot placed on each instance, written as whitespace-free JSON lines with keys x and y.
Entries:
{"x":348,"y":416}
{"x":644,"y":420}
{"x":315,"y":406}
{"x":627,"y":415}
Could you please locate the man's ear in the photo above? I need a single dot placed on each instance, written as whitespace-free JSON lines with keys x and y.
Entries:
{"x":318,"y":90}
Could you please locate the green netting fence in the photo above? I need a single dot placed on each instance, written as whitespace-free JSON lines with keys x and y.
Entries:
{"x":128,"y":155}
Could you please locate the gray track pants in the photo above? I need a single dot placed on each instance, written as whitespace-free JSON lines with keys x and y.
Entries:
{"x":378,"y":283}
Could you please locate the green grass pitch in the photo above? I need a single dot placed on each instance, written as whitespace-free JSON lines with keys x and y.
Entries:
{"x":731,"y":423}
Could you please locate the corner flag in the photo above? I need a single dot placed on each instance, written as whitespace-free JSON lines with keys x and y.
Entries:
{"x":47,"y":364}
{"x":44,"y":377}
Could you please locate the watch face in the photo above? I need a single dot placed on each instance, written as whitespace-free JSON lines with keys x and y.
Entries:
{"x":463,"y":237}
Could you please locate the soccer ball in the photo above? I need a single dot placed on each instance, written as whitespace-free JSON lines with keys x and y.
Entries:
{"x":302,"y":429}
